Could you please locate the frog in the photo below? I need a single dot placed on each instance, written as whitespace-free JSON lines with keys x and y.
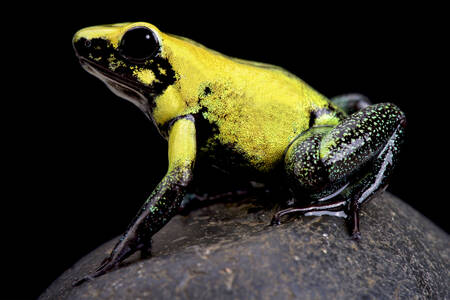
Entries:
{"x":244,"y":117}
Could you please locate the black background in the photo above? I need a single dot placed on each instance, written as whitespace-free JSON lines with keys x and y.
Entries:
{"x":79,"y":161}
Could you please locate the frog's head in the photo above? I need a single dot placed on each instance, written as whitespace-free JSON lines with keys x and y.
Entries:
{"x":128,"y":58}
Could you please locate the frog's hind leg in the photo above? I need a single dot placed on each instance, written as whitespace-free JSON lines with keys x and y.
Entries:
{"x":360,"y":151}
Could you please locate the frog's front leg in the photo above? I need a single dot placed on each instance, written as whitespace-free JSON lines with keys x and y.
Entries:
{"x":343,"y":166}
{"x":164,"y":201}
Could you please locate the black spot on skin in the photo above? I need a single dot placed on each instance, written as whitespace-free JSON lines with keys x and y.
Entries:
{"x":315,"y":114}
{"x":207,"y":91}
{"x":205,"y":129}
{"x":312,"y":119}
{"x":204,"y":93}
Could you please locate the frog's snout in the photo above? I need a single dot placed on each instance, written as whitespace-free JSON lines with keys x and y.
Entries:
{"x":79,"y":39}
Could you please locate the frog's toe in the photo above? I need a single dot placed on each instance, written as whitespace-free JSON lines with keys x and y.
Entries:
{"x":275,"y":220}
{"x":356,"y":236}
{"x":146,"y":251}
{"x":82,"y":280}
{"x":107,"y":265}
{"x":102,"y":269}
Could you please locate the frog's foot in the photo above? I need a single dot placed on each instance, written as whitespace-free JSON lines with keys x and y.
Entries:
{"x":130,"y":243}
{"x":353,"y":219}
{"x":331,"y":209}
{"x":98,"y":272}
{"x":336,"y":209}
{"x":102,"y":269}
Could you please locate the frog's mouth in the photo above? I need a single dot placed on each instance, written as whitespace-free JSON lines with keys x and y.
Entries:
{"x":121,"y":86}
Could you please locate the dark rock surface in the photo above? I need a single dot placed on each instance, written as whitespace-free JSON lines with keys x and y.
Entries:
{"x":228,"y":251}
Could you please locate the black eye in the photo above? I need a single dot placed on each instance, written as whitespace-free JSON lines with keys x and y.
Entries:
{"x":138,"y":44}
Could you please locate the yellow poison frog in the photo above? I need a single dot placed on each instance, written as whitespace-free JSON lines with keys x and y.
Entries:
{"x":242,"y":116}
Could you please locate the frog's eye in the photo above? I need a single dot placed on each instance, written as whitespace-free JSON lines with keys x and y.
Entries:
{"x":138,"y":44}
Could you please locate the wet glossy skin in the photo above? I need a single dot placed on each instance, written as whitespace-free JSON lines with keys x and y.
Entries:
{"x":240,"y":115}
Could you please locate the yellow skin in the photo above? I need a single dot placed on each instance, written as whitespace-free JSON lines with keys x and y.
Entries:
{"x":258,"y":108}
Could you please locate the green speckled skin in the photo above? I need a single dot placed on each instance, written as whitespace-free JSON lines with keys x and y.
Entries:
{"x":354,"y":159}
{"x":332,"y":155}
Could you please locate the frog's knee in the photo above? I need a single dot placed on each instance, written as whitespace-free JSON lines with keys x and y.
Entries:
{"x":388,"y":111}
{"x":359,"y":138}
{"x":374,"y":123}
{"x":383,"y":118}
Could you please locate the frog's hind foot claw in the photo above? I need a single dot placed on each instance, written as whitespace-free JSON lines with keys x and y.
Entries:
{"x":78,"y":282}
{"x":102,"y":269}
{"x":146,"y":251}
{"x":276,"y":219}
{"x":356,"y":236}
{"x":318,"y":210}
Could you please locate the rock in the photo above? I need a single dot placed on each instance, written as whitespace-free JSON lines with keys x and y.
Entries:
{"x":228,"y":251}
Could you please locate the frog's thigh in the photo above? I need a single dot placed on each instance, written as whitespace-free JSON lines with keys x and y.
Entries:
{"x":325,"y":159}
{"x":303,"y":167}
